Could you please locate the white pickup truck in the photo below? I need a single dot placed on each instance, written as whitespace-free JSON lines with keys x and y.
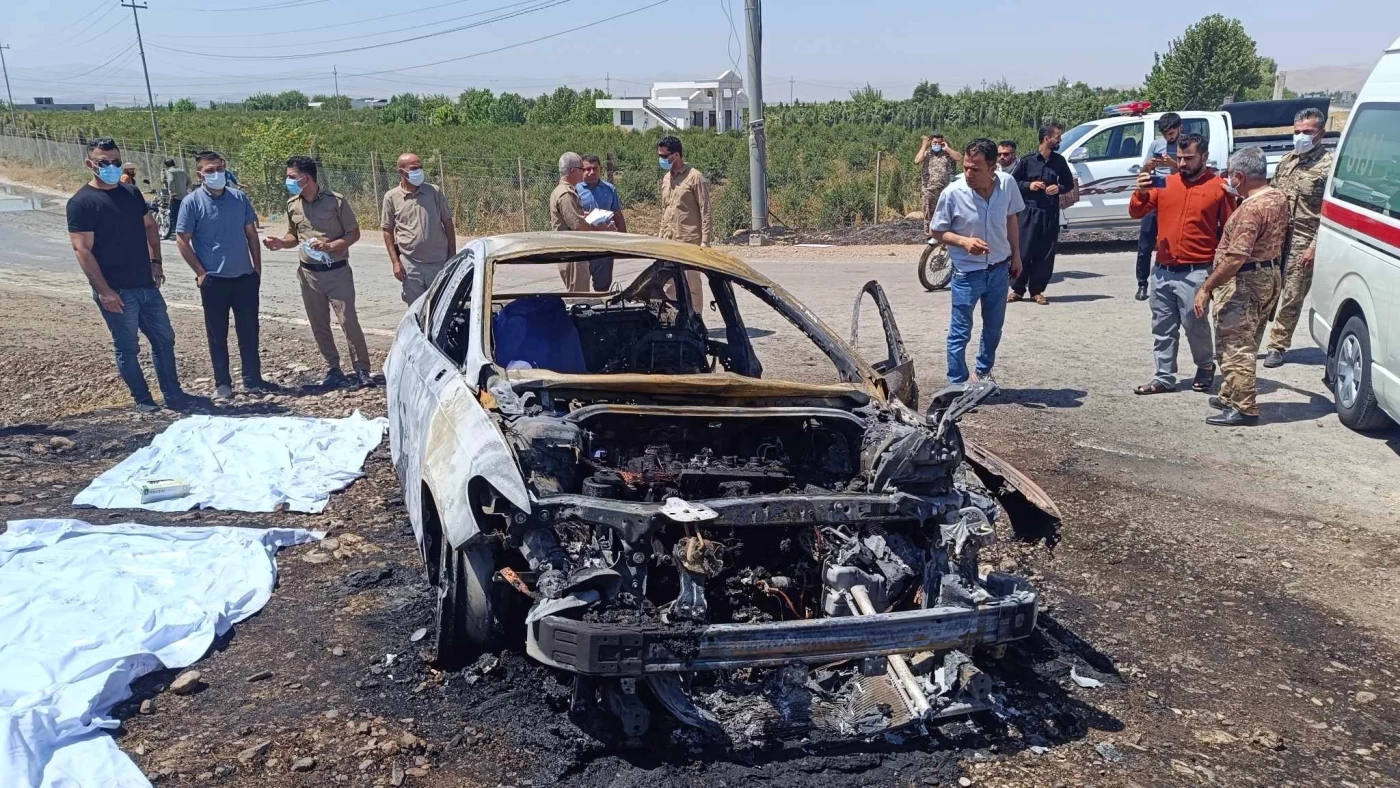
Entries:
{"x":1107,"y":154}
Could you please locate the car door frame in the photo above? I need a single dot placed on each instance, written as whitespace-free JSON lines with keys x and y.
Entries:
{"x":1106,"y":184}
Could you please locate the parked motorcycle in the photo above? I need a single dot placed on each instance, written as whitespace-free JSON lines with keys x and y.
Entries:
{"x":935,"y":268}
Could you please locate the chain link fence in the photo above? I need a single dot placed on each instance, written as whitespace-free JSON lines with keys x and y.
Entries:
{"x":488,"y":196}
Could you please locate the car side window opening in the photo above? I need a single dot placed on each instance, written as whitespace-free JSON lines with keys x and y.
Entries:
{"x":451,"y":326}
{"x":1368,"y":164}
{"x":1119,"y":142}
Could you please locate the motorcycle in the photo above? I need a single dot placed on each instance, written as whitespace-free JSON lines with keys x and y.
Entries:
{"x":935,"y":268}
{"x":159,"y":206}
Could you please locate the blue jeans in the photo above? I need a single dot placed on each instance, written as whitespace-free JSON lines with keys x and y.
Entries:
{"x":143,"y":309}
{"x":989,"y":287}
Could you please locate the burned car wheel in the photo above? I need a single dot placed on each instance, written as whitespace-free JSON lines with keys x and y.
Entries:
{"x":467,"y":625}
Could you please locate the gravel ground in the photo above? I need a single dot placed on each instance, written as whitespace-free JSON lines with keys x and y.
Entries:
{"x":1236,"y":591}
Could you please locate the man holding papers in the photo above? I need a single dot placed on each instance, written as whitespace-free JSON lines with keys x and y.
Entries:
{"x":599,"y":198}
{"x":567,"y":213}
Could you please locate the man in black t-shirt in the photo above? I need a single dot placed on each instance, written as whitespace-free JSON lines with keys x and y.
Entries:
{"x":118,"y":248}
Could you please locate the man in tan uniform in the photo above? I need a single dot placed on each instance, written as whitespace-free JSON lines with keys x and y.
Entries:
{"x":322,"y":226}
{"x":1244,"y":281}
{"x":1302,"y":177}
{"x":937,"y":166}
{"x":566,"y":213}
{"x":418,"y":230}
{"x":685,"y":208}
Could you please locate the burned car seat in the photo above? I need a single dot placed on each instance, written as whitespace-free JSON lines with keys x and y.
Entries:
{"x":536,"y":332}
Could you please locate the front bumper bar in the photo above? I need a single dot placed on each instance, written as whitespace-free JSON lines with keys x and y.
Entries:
{"x":599,"y":649}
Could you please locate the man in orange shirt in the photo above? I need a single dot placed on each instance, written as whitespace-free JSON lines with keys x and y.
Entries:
{"x":1191,"y":213}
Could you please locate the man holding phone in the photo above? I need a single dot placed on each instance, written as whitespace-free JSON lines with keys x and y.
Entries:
{"x":1161,"y":162}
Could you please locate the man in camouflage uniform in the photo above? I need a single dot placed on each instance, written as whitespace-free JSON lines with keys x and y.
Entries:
{"x":937,"y":166}
{"x":1244,"y":281}
{"x":1302,"y":177}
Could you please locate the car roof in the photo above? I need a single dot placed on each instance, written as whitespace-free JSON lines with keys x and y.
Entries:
{"x":513,"y":245}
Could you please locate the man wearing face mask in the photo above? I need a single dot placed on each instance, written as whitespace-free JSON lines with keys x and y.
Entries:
{"x":322,"y":227}
{"x":1244,"y":283}
{"x":218,"y":238}
{"x":685,"y":208}
{"x":1302,"y":177}
{"x":1191,"y":213}
{"x":118,"y":247}
{"x":1041,"y":177}
{"x":937,"y":166}
{"x":418,"y":229}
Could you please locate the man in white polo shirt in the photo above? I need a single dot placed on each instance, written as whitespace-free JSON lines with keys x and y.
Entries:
{"x":976,"y":219}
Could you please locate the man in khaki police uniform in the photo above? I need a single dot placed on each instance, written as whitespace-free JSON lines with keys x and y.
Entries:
{"x":418,"y":230}
{"x":566,"y":213}
{"x":1302,"y":177}
{"x":685,"y":208}
{"x":321,"y":225}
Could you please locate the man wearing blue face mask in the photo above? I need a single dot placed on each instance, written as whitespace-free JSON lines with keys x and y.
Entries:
{"x":937,"y":166}
{"x":418,"y":230}
{"x":118,"y":247}
{"x":1302,"y":177}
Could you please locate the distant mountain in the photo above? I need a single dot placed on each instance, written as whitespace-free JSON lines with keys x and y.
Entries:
{"x":1328,"y":78}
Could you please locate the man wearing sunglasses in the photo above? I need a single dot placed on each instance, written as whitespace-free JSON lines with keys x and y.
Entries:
{"x":118,"y":247}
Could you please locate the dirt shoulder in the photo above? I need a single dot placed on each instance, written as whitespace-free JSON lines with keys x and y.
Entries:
{"x":1217,"y":668}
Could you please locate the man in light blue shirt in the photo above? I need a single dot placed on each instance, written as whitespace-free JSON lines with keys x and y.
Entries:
{"x":976,"y":219}
{"x":594,"y":192}
{"x":217,"y":232}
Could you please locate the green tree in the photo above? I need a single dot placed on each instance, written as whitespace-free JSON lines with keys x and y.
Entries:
{"x":509,"y":110}
{"x":926,"y":91}
{"x":474,"y":106}
{"x":183,"y":105}
{"x":1213,"y":59}
{"x":266,"y":149}
{"x":332,"y":102}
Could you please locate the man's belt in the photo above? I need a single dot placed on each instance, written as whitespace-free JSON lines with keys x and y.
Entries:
{"x":1183,"y":266}
{"x":1257,"y":264}
{"x":319,"y":267}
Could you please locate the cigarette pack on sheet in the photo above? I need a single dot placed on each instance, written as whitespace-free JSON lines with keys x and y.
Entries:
{"x":163,"y":490}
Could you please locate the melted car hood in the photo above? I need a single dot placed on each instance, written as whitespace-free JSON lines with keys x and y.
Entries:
{"x":709,"y":385}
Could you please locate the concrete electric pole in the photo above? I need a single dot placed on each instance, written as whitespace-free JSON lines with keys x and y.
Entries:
{"x":758,"y":157}
{"x":141,"y":47}
{"x":8,"y":95}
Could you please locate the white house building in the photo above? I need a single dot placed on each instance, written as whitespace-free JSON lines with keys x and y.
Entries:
{"x":716,"y":104}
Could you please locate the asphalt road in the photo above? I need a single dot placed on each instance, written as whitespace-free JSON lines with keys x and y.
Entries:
{"x":1066,"y":368}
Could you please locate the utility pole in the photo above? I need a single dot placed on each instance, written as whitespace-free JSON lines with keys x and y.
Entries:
{"x":758,"y":157}
{"x":608,"y":82}
{"x":336,"y":75}
{"x":141,"y":47}
{"x":792,"y":81}
{"x":8,"y":95}
{"x":1280,"y":78}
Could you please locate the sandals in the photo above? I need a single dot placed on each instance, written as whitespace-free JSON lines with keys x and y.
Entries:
{"x":1154,"y":387}
{"x":1205,"y":378}
{"x":1012,"y":298}
{"x":1040,"y":299}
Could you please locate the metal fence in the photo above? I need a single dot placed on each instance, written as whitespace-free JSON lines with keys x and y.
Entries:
{"x":487,"y":195}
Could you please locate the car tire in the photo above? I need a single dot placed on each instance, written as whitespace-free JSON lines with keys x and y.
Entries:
{"x":1351,"y":379}
{"x":466,"y":624}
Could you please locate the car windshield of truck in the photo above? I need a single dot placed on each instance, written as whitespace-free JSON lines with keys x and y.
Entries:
{"x":1076,"y":134}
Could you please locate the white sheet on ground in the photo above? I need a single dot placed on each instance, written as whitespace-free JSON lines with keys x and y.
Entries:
{"x":85,"y":610}
{"x":253,"y":464}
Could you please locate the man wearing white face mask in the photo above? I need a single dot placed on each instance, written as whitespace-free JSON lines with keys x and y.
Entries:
{"x":418,"y":229}
{"x":217,"y":233}
{"x":1302,"y":177}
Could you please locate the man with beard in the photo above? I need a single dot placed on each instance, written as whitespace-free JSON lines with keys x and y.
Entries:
{"x":1041,"y":177}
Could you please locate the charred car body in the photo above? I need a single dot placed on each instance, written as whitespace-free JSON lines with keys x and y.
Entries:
{"x":612,"y":480}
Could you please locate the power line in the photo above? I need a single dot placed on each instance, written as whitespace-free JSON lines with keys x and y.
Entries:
{"x":10,"y":96}
{"x":140,"y":47}
{"x":279,"y":6}
{"x":419,"y":26}
{"x":77,"y":38}
{"x":352,"y":22}
{"x":518,"y":44}
{"x":545,"y":4}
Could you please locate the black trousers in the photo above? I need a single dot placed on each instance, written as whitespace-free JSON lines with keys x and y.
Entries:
{"x":221,"y":295}
{"x":1040,"y":234}
{"x":1147,"y":243}
{"x":174,"y":217}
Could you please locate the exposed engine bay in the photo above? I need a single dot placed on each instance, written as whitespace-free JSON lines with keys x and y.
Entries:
{"x":760,"y":571}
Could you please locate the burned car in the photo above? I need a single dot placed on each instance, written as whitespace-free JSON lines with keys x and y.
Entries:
{"x":611,"y":480}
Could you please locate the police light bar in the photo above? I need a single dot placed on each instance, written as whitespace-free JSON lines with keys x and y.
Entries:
{"x":1127,"y":108}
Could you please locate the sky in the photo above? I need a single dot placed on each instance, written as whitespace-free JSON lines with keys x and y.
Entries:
{"x":84,"y":50}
